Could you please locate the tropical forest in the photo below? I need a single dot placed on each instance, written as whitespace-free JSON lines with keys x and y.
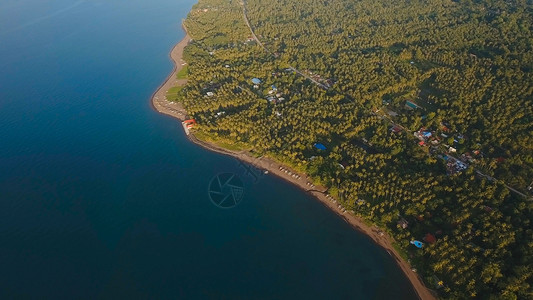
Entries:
{"x":416,"y":115}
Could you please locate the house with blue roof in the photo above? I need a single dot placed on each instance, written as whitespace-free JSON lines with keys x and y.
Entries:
{"x":320,"y":146}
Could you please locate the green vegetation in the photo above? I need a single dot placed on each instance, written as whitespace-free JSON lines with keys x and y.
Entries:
{"x":183,"y":73}
{"x":465,"y":68}
{"x":220,"y":141}
{"x":174,"y":93}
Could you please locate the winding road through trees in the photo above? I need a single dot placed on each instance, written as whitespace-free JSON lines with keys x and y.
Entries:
{"x":245,"y":16}
{"x":323,"y":86}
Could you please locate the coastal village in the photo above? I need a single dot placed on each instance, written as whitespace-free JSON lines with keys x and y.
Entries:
{"x":243,"y":75}
{"x":321,"y":149}
{"x":440,"y":142}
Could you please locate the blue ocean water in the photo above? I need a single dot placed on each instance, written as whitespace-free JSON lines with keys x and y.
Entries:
{"x":102,"y":197}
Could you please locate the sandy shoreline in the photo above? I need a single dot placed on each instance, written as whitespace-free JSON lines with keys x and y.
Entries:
{"x":176,"y":110}
{"x":159,"y":98}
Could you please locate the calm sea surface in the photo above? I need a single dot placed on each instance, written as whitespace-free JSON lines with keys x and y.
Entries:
{"x":101,"y":197}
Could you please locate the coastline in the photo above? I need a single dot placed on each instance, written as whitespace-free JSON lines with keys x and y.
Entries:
{"x":160,"y":104}
{"x":159,"y":98}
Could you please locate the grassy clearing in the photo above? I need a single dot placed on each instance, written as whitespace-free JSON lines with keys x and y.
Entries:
{"x":183,"y":73}
{"x":221,"y":142}
{"x":174,"y":93}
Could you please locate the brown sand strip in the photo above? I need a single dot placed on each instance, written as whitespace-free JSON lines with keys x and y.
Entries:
{"x":159,"y":98}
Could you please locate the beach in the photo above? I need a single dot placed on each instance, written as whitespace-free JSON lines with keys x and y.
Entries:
{"x":159,"y":98}
{"x":301,"y":180}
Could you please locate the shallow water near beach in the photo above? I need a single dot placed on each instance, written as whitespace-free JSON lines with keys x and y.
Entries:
{"x":102,"y":197}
